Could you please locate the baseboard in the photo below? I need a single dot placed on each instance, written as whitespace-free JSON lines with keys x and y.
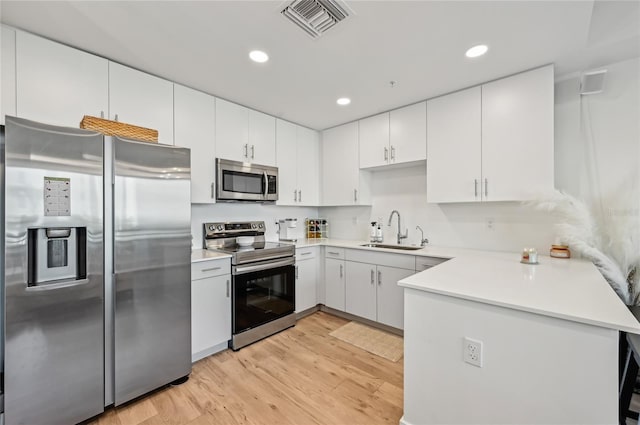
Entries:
{"x":209,"y":351}
{"x":305,"y":313}
{"x":367,"y":322}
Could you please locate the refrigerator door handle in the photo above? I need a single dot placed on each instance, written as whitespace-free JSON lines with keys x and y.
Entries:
{"x":57,"y":285}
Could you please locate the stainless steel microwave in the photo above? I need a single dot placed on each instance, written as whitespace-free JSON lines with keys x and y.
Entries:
{"x":243,"y":181}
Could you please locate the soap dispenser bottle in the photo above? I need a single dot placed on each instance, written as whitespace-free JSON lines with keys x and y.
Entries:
{"x":372,"y":232}
{"x":379,"y":233}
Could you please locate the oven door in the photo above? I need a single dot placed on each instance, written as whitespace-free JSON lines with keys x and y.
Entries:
{"x":239,"y":181}
{"x":262,"y":292}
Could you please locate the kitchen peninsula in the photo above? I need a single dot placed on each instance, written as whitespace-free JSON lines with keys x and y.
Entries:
{"x":545,"y":337}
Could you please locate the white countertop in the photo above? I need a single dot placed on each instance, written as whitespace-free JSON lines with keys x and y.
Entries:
{"x":570,"y":289}
{"x":198,"y":255}
{"x":567,"y":289}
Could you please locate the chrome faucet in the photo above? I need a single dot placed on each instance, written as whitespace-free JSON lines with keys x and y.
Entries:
{"x":400,"y":235}
{"x":423,"y":240}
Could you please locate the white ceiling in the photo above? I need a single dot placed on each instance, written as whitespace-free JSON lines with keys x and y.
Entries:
{"x":419,"y":44}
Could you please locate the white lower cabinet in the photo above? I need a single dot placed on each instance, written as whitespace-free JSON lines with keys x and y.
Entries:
{"x":371,"y":287}
{"x":306,"y":278}
{"x":372,"y":292}
{"x":334,"y":274}
{"x":210,"y":307}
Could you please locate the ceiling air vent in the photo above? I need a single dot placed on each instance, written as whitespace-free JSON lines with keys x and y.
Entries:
{"x":316,"y":17}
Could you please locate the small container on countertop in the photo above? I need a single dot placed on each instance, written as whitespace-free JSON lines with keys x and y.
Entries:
{"x":529,"y":256}
{"x":560,"y":251}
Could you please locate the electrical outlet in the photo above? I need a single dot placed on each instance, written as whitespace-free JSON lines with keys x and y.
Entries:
{"x":472,"y":350}
{"x":490,"y":223}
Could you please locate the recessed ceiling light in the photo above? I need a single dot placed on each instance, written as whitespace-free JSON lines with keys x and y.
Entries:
{"x":258,"y":56}
{"x":476,"y":51}
{"x":343,"y":101}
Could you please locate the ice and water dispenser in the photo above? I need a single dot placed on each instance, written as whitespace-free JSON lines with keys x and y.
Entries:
{"x":57,"y":254}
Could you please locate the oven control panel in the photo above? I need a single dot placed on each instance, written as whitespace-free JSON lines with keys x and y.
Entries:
{"x":244,"y":228}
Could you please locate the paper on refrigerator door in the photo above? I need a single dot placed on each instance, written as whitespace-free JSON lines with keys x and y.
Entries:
{"x":57,"y":196}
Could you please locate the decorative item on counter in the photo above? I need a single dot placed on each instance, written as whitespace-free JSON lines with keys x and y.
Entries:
{"x":610,"y":237}
{"x":529,"y":256}
{"x":316,"y":228}
{"x":560,"y":251}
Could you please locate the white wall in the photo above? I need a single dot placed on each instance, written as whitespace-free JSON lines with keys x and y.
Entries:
{"x":246,"y":212}
{"x":601,"y":164}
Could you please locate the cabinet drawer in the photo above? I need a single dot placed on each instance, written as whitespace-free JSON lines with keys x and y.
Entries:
{"x":209,"y":268}
{"x":306,"y":253}
{"x":423,"y":263}
{"x":400,"y":261}
{"x":333,"y":252}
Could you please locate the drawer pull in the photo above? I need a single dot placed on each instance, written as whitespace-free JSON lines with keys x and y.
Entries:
{"x":210,"y":270}
{"x":227,"y":288}
{"x":333,"y":253}
{"x":305,"y":253}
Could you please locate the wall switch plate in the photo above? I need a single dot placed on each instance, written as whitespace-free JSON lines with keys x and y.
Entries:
{"x":472,"y":351}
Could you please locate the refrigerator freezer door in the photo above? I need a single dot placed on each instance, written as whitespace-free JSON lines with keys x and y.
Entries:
{"x":152,"y":252}
{"x":54,"y":330}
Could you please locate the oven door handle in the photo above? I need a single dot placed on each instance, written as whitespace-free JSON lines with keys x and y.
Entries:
{"x":263,"y":266}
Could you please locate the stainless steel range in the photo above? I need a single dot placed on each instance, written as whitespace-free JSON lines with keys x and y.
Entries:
{"x":263,"y":276}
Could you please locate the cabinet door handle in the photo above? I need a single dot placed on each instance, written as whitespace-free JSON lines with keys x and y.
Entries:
{"x":486,"y":187}
{"x":227,"y":288}
{"x":213,"y":190}
{"x":379,"y":277}
{"x":340,"y":270}
{"x":101,"y":114}
{"x":372,"y":274}
{"x":295,"y":195}
{"x":393,"y":153}
{"x":305,"y":253}
{"x":386,"y":154}
{"x":300,"y":196}
{"x":210,"y":270}
{"x":355,"y":195}
{"x":296,"y":272}
{"x":253,"y":151}
{"x":115,"y":118}
{"x":246,"y":150}
{"x":333,"y":253}
{"x":475,"y":187}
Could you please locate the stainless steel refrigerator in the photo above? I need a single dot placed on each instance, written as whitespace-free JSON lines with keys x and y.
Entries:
{"x":97,"y":271}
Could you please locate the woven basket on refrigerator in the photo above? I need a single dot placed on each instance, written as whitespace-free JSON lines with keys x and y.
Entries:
{"x":120,"y":129}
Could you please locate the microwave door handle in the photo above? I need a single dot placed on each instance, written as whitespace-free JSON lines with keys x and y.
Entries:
{"x":266,"y":184}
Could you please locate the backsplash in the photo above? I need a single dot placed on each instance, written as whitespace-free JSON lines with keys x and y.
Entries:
{"x":495,"y":226}
{"x":244,"y":212}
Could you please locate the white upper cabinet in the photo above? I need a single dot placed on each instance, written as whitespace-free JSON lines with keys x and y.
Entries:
{"x":517,"y":136}
{"x":262,"y":138}
{"x":396,"y":137}
{"x":492,"y":142}
{"x":8,"y":73}
{"x":308,"y":166}
{"x":232,"y":131}
{"x":454,"y":147}
{"x":57,"y":84}
{"x":342,"y":182}
{"x":374,"y":141}
{"x":141,"y":99}
{"x":194,"y":113}
{"x":408,"y":134}
{"x":298,"y":151}
{"x":287,"y":161}
{"x":244,"y":135}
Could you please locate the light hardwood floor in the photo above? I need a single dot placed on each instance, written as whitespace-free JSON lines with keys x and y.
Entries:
{"x":299,"y":376}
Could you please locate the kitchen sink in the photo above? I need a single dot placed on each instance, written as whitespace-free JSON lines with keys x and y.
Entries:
{"x":400,"y":247}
